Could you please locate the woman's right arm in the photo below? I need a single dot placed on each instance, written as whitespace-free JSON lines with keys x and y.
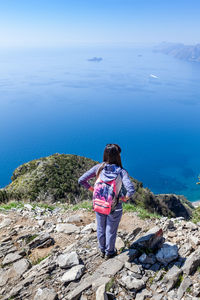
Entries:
{"x":83,"y":180}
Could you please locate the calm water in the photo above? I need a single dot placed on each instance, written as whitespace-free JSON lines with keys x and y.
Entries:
{"x":58,"y":101}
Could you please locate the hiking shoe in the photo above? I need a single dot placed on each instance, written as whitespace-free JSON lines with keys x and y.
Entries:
{"x":108,"y":256}
{"x":102,"y":254}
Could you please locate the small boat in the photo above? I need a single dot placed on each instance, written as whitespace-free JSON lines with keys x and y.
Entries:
{"x":153,"y":76}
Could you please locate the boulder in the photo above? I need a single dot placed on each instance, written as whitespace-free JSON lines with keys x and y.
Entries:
{"x":68,"y":260}
{"x":119,"y":244}
{"x":185,"y":284}
{"x":67,"y":228}
{"x":44,"y":294}
{"x":192,"y":263}
{"x":11,"y":258}
{"x":167,"y":253}
{"x":177,"y":206}
{"x":6,"y":222}
{"x":42,"y":241}
{"x":101,"y":293}
{"x":133,"y":283}
{"x":147,"y":259}
{"x":21,"y":266}
{"x":151,"y":241}
{"x":171,"y":278}
{"x":73,"y":274}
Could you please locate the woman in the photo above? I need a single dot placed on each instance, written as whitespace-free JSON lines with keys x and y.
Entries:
{"x":110,"y":169}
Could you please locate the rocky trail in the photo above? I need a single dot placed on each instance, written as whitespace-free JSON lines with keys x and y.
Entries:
{"x":53,"y":254}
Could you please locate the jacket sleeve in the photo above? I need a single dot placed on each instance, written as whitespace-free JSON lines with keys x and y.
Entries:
{"x":83,"y":180}
{"x":127,"y":183}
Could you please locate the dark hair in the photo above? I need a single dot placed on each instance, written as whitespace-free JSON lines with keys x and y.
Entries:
{"x":111,"y":156}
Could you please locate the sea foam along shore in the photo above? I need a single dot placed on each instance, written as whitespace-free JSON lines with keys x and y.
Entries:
{"x":196,"y":203}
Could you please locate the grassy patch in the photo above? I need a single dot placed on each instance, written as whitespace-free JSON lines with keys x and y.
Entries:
{"x":44,"y":205}
{"x":10,"y":205}
{"x":180,"y":279}
{"x":196,"y":215}
{"x":142,"y":212}
{"x":85,"y":204}
{"x":110,"y":284}
{"x":31,"y":238}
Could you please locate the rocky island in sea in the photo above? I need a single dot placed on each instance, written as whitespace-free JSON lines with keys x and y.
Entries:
{"x":95,"y":59}
{"x":181,"y":51}
{"x":48,"y":244}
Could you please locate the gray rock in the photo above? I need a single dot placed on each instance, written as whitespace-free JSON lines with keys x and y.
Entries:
{"x":137,"y":269}
{"x":152,"y":240}
{"x":84,"y":297}
{"x":100,"y":281}
{"x":194,"y":240}
{"x":41,"y":222}
{"x":157,"y":297}
{"x":192,"y":263}
{"x":73,"y":274}
{"x":119,"y":244}
{"x":101,"y":293}
{"x":21,"y":266}
{"x":92,"y":227}
{"x":143,"y":295}
{"x":171,"y":278}
{"x":191,"y":226}
{"x":76,"y":292}
{"x":28,"y":206}
{"x":185,"y":284}
{"x":74,"y":219}
{"x":109,"y":268}
{"x":3,"y":277}
{"x":11,"y":258}
{"x":167,"y":253}
{"x":6,"y":222}
{"x":133,"y":283}
{"x":127,"y":255}
{"x":44,"y":294}
{"x":68,"y":260}
{"x":185,"y":250}
{"x":196,"y":289}
{"x":155,"y":267}
{"x":147,"y":259}
{"x":131,"y":236}
{"x":42,"y":241}
{"x":67,"y":228}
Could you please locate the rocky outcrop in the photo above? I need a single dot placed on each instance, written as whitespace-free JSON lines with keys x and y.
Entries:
{"x":54,"y":178}
{"x":160,"y":263}
{"x":173,"y":205}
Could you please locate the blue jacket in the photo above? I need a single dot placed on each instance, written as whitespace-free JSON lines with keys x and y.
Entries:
{"x":108,"y":173}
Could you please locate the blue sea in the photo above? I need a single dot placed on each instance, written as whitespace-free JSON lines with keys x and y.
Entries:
{"x":57,"y":101}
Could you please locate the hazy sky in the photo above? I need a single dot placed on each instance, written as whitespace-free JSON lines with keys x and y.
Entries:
{"x":63,"y":22}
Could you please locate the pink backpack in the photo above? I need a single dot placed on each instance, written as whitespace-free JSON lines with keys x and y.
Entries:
{"x":105,"y":195}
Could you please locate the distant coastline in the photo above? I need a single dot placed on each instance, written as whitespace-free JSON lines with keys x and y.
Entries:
{"x":185,"y":52}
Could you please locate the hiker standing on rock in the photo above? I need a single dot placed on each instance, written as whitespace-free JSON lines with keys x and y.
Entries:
{"x":111,"y":179}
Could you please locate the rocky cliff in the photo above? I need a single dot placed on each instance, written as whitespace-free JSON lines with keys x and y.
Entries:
{"x":54,"y":178}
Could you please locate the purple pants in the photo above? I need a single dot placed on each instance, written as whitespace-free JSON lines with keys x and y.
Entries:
{"x":107,"y":226}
